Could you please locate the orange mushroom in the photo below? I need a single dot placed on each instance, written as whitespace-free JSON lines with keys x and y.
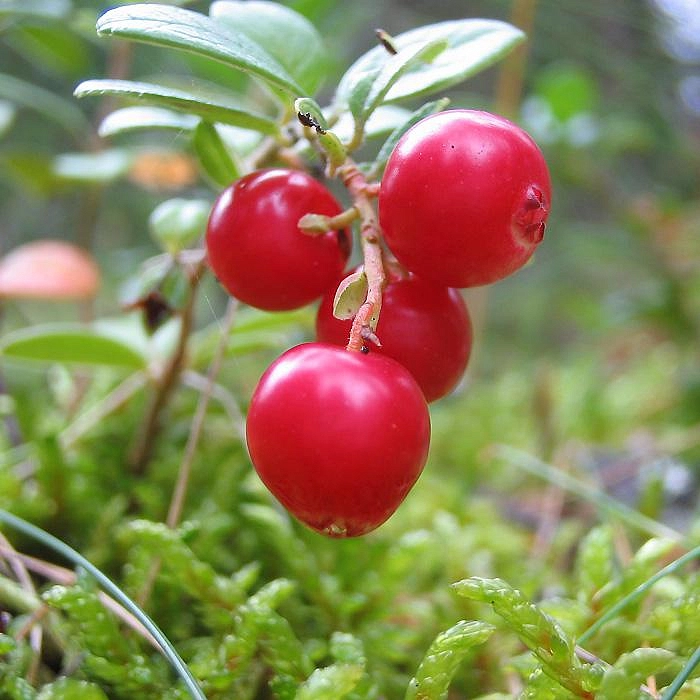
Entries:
{"x":48,"y":269}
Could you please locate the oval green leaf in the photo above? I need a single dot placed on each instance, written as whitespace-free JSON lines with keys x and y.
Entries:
{"x":72,"y":344}
{"x":178,"y":223}
{"x":178,"y":28}
{"x":196,"y":98}
{"x":45,"y":102}
{"x":350,"y":295}
{"x":103,"y":166}
{"x":472,"y":45}
{"x":130,"y":119}
{"x":285,"y":34}
{"x":213,"y":155}
{"x":395,"y":67}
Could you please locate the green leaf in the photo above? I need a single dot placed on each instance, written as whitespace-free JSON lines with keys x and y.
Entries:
{"x":538,"y":631}
{"x":438,"y":667}
{"x":178,"y":223}
{"x":189,"y":573}
{"x":330,"y":683}
{"x":186,"y":30}
{"x":350,"y":295}
{"x":130,"y":119}
{"x":45,"y":102}
{"x":394,"y":68}
{"x":285,"y":34}
{"x":53,"y":47}
{"x":98,"y":630}
{"x":387,"y":148}
{"x":199,"y":99}
{"x":7,"y":116}
{"x":49,"y":9}
{"x":103,"y":166}
{"x":594,"y":561}
{"x":622,"y":681}
{"x":241,"y":141}
{"x":130,"y":330}
{"x":472,"y":45}
{"x":347,"y":649}
{"x":214,"y":156}
{"x":70,"y":343}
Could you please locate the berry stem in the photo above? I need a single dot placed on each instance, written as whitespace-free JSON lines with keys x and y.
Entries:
{"x":314,"y":224}
{"x":365,"y":323}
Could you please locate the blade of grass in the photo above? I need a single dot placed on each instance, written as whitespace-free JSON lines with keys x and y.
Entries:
{"x":639,"y":591}
{"x":108,"y":586}
{"x":682,"y":677}
{"x":595,"y":496}
{"x":631,"y":597}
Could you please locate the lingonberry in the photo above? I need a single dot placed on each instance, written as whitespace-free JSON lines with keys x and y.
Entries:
{"x":422,"y":325}
{"x":256,"y":248}
{"x":464,"y":198}
{"x":338,"y":437}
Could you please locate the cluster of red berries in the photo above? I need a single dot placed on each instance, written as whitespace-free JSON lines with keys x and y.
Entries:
{"x":338,"y":436}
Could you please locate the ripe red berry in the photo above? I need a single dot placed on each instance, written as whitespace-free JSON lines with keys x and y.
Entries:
{"x":256,"y":248}
{"x":338,"y":437}
{"x":423,"y":326}
{"x":464,"y":198}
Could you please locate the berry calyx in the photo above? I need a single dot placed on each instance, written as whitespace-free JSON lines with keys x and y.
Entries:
{"x":423,"y":326}
{"x":464,"y":198}
{"x":256,"y":248}
{"x":338,"y":437}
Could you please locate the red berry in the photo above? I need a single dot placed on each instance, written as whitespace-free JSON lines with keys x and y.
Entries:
{"x":423,"y":326}
{"x":338,"y":437}
{"x":256,"y":248}
{"x":464,"y":198}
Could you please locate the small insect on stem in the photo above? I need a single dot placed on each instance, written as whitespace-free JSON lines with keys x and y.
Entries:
{"x":387,"y":41}
{"x":307,"y":119}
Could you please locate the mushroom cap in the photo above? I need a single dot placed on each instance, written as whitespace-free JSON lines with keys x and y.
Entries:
{"x":48,"y":269}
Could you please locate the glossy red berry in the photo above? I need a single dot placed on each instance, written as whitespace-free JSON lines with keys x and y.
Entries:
{"x":423,"y":326}
{"x":464,"y":198}
{"x":338,"y":437}
{"x":255,"y":246}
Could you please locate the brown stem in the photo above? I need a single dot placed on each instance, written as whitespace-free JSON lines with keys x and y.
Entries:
{"x":35,"y":631}
{"x":152,"y":423}
{"x":512,"y":74}
{"x":177,"y":502}
{"x":314,"y":224}
{"x":365,"y":322}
